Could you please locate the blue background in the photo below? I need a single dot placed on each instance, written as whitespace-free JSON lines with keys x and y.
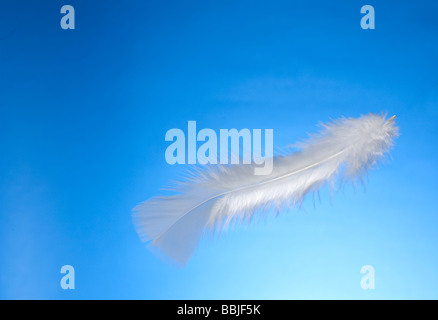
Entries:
{"x":83,"y":114}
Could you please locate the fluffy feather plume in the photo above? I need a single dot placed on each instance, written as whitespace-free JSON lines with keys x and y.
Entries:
{"x":213,"y":197}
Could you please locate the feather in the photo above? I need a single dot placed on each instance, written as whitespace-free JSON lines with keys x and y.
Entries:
{"x":213,"y":197}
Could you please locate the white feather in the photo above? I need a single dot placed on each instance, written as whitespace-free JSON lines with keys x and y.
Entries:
{"x":213,"y":197}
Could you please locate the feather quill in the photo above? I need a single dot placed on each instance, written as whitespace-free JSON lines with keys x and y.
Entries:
{"x":213,"y":197}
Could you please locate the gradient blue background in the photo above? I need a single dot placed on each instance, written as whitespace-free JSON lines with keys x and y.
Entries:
{"x":83,"y":114}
